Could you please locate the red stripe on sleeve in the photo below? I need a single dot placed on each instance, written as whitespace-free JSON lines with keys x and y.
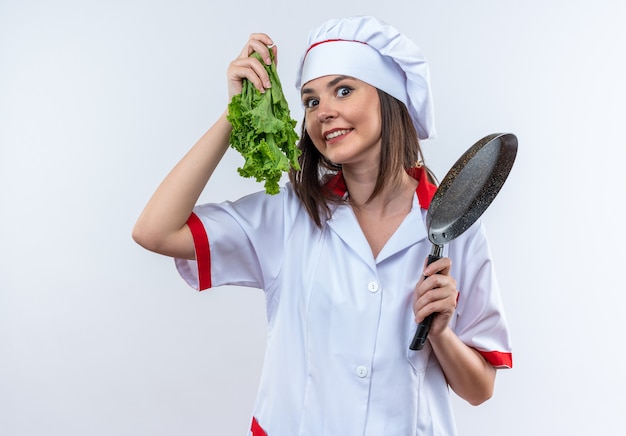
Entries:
{"x":256,"y":428}
{"x":498,"y":358}
{"x":203,"y":252}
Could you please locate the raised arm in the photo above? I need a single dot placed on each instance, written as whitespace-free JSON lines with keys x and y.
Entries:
{"x":162,"y":226}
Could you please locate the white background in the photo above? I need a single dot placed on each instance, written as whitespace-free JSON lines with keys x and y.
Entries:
{"x":99,"y":99}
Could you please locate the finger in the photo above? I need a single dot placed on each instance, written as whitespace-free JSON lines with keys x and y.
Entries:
{"x":435,"y":301}
{"x":250,"y":65}
{"x":440,"y":266}
{"x":431,"y":297}
{"x":433,"y":288}
{"x":250,"y":69}
{"x":434,"y":282}
{"x":260,"y":43}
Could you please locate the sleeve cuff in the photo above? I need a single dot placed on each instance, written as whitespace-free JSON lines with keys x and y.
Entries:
{"x":498,"y":359}
{"x":203,"y":252}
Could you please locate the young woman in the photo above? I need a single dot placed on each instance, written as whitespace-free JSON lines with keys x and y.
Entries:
{"x":340,"y":251}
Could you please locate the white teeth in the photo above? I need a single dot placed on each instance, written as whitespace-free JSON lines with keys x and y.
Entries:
{"x":336,"y":133}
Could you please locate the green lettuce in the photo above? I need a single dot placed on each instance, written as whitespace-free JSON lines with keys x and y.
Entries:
{"x":263,"y":131}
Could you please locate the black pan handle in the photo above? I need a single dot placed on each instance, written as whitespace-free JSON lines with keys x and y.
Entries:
{"x":424,"y":327}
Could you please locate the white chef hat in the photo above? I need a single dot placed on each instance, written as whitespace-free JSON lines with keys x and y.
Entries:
{"x":367,"y":49}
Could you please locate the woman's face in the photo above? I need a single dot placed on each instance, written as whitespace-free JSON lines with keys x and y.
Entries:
{"x":342,"y":117}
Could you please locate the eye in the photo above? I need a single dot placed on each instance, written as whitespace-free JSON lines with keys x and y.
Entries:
{"x":343,"y":91}
{"x":310,"y":102}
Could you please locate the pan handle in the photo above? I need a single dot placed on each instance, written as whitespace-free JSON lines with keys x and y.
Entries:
{"x":424,"y":327}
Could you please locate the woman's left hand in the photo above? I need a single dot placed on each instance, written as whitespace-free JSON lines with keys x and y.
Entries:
{"x":436,"y":293}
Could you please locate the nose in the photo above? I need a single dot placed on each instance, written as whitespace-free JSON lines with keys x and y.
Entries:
{"x":326,"y":111}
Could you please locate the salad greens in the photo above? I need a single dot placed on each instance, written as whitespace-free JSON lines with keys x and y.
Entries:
{"x":263,"y":131}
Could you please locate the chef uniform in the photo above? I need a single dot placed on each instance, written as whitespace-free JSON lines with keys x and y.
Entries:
{"x":340,"y":321}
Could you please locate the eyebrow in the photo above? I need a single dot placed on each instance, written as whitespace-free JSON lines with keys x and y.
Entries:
{"x":328,"y":85}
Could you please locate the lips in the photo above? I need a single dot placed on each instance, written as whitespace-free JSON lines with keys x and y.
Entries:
{"x":336,"y":133}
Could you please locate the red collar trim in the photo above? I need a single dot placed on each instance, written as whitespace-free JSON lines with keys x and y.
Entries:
{"x":425,"y":189}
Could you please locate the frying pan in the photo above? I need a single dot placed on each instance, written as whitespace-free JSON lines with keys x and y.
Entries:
{"x":463,"y":195}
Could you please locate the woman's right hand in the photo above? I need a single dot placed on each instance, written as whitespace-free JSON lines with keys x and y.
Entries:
{"x":162,"y":227}
{"x":246,"y":67}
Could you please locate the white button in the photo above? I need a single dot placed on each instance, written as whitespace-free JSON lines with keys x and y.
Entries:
{"x":361,"y":372}
{"x":372,"y":287}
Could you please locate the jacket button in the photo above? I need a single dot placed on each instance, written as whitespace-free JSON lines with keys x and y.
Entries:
{"x":361,"y":372}
{"x":373,"y":287}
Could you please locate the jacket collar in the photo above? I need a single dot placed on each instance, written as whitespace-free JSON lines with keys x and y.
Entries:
{"x":425,"y":189}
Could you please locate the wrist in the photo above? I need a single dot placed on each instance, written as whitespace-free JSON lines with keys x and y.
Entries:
{"x":440,"y":337}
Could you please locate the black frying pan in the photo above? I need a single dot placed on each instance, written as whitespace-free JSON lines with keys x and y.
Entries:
{"x":463,"y":195}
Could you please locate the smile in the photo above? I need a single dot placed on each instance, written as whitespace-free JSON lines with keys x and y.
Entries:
{"x":335,"y":134}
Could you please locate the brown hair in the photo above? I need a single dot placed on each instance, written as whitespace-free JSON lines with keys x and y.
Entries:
{"x":400,"y":150}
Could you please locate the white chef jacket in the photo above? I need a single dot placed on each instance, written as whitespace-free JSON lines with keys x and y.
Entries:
{"x":340,"y":321}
